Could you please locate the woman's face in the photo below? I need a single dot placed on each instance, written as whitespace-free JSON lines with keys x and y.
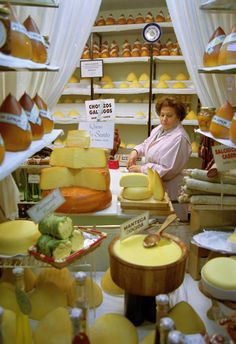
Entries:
{"x":168,"y":118}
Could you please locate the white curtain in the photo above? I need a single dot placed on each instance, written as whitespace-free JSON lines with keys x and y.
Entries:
{"x":68,"y":28}
{"x":193,"y":28}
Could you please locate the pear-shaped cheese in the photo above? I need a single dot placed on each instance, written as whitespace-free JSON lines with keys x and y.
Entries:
{"x":32,"y":113}
{"x":48,"y":123}
{"x":211,"y":54}
{"x":221,"y":121}
{"x":39,"y":52}
{"x":2,"y":149}
{"x":227,"y":54}
{"x":19,"y":40}
{"x":14,"y":125}
{"x":232,"y":129}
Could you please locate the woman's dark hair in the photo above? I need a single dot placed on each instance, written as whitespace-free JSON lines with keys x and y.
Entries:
{"x":171,"y":102}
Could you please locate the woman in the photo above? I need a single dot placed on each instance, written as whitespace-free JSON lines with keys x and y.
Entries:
{"x":167,"y":149}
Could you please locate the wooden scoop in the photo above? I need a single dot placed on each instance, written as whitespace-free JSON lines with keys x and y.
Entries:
{"x":152,"y":239}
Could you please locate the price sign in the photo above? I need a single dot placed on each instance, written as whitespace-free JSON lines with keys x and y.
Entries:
{"x":225,"y":157}
{"x":134,"y":225}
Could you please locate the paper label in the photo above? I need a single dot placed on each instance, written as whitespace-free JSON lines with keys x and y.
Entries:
{"x":221,"y":121}
{"x":134,"y":225}
{"x":36,"y":36}
{"x":3,"y":34}
{"x":91,"y":68}
{"x":101,"y":133}
{"x":230,"y":38}
{"x":20,"y":121}
{"x":225,"y":157}
{"x":19,"y":28}
{"x":33,"y":115}
{"x":100,"y":110}
{"x":46,"y":114}
{"x":46,"y":206}
{"x":216,"y":41}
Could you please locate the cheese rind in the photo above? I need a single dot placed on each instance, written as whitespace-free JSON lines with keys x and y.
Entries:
{"x":76,"y":157}
{"x":92,"y":178}
{"x":134,"y":179}
{"x":136,"y":193}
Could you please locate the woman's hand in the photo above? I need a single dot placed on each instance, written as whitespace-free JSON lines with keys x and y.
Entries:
{"x":132,"y":159}
{"x":135,"y":168}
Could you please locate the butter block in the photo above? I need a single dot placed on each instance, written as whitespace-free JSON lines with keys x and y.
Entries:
{"x":136,"y":193}
{"x":92,"y":178}
{"x":134,"y":179}
{"x":77,"y":157}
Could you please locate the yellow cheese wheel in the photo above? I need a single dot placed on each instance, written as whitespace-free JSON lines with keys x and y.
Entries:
{"x":113,"y":328}
{"x":136,"y":193}
{"x":109,"y":286}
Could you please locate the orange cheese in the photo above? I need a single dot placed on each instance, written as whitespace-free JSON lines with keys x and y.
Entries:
{"x":221,"y":121}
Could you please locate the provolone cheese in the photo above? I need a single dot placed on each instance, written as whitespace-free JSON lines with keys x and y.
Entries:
{"x":136,"y":193}
{"x":134,"y":179}
{"x":92,"y":178}
{"x":76,"y":157}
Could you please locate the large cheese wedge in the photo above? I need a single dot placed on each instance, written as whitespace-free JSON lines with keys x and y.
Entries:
{"x":136,"y":193}
{"x":14,"y":125}
{"x":2,"y":149}
{"x":232,"y":129}
{"x":211,"y":54}
{"x":134,"y":179}
{"x":78,"y":138}
{"x":221,"y":121}
{"x":32,"y":113}
{"x":76,"y":157}
{"x":17,"y":236}
{"x":8,"y":327}
{"x":82,"y":200}
{"x":39,"y":52}
{"x":55,"y":327}
{"x":156,"y":185}
{"x":44,"y":113}
{"x":113,"y":328}
{"x":227,"y":54}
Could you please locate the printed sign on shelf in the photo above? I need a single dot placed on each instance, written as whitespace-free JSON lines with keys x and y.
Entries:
{"x":91,"y":68}
{"x":100,"y":110}
{"x":46,"y":206}
{"x":225,"y":157}
{"x":134,"y":225}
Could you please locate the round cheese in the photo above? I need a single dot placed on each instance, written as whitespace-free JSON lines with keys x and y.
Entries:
{"x":17,"y":236}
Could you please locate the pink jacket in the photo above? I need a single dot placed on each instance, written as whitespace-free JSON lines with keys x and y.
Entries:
{"x":167,"y":155}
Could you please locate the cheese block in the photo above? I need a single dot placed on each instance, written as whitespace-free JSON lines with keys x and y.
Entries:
{"x":232,"y":129}
{"x":17,"y":236}
{"x":211,"y":54}
{"x":92,"y":178}
{"x":76,"y":157}
{"x":44,"y":113}
{"x":32,"y":113}
{"x":136,"y":193}
{"x":221,"y":121}
{"x":39,"y":52}
{"x":14,"y":125}
{"x":77,"y":138}
{"x":2,"y":149}
{"x":227,"y":54}
{"x":82,"y":200}
{"x":134,"y":179}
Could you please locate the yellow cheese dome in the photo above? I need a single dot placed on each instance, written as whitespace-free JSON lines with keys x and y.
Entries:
{"x":165,"y":77}
{"x":179,"y":84}
{"x":17,"y":236}
{"x":219,"y":272}
{"x":181,"y":76}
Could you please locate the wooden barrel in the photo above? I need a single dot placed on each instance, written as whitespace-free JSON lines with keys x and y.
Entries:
{"x":148,"y":280}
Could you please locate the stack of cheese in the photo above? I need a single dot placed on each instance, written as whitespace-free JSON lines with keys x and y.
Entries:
{"x":139,"y":186}
{"x":81,"y":173}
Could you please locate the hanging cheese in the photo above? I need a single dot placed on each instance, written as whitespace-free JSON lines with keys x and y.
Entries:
{"x":76,"y":157}
{"x":2,"y":149}
{"x":39,"y":52}
{"x":134,"y":179}
{"x":44,"y":113}
{"x":32,"y":113}
{"x":14,"y":125}
{"x":211,"y":54}
{"x":20,"y":44}
{"x":82,"y":200}
{"x":136,"y":193}
{"x":92,"y":178}
{"x":232,"y":129}
{"x":227,"y":53}
{"x":221,"y":121}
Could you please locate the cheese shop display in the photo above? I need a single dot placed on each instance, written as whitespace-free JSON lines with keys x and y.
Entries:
{"x":15,"y":128}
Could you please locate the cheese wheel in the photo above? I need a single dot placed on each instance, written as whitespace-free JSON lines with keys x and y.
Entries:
{"x":134,"y":179}
{"x":82,"y":200}
{"x":47,"y":119}
{"x":2,"y":149}
{"x":227,"y":54}
{"x":221,"y":121}
{"x":211,"y":54}
{"x":136,"y":193}
{"x":232,"y":129}
{"x":32,"y":113}
{"x":39,"y":52}
{"x":14,"y":125}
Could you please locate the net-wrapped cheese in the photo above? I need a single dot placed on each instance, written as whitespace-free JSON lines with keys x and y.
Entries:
{"x":211,"y":54}
{"x":44,"y":113}
{"x":221,"y":121}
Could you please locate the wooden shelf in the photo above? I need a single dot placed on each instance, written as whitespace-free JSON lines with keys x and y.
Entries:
{"x":222,"y":141}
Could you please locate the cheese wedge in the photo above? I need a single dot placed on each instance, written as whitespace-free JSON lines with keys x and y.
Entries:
{"x":136,"y":193}
{"x":92,"y":178}
{"x":76,"y":157}
{"x":134,"y":179}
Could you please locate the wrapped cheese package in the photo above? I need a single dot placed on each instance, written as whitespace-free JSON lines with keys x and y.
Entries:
{"x":211,"y":54}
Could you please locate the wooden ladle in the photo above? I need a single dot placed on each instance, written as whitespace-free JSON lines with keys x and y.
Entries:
{"x":152,"y":239}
